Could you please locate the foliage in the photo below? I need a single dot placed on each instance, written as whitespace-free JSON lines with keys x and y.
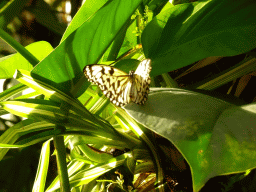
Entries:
{"x":117,"y":149}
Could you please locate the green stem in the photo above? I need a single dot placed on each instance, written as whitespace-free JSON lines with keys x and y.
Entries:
{"x":18,"y":47}
{"x":138,"y":17}
{"x":61,"y":162}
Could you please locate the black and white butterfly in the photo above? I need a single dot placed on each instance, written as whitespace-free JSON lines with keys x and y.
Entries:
{"x":121,"y":88}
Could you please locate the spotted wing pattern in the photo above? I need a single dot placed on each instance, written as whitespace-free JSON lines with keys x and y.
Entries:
{"x":120,"y":87}
{"x":140,"y":88}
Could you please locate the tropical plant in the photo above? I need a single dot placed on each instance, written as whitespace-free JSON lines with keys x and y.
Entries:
{"x":129,"y":148}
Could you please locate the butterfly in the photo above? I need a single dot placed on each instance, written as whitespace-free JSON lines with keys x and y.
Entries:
{"x":121,"y":88}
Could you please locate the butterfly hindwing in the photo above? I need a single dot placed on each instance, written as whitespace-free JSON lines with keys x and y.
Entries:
{"x":142,"y":82}
{"x":118,"y":86}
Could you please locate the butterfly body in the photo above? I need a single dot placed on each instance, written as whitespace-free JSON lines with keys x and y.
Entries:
{"x":121,"y":88}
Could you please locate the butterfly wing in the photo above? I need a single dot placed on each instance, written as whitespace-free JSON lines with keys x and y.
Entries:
{"x":120,"y":87}
{"x":114,"y":83}
{"x":141,"y":81}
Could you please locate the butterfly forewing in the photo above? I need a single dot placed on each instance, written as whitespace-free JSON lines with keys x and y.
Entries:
{"x":118,"y":86}
{"x":113,"y":82}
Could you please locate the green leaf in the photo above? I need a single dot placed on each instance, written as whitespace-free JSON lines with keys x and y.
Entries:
{"x":63,"y":67}
{"x":50,"y":92}
{"x":93,"y":156}
{"x":127,"y":64}
{"x":89,"y":139}
{"x":16,"y":89}
{"x":18,"y":47}
{"x":214,"y":136}
{"x":28,"y":126}
{"x":9,"y":63}
{"x":89,"y":8}
{"x":50,"y":111}
{"x":42,"y":169}
{"x":86,"y":175}
{"x":126,"y":120}
{"x":189,"y":32}
{"x":46,"y":110}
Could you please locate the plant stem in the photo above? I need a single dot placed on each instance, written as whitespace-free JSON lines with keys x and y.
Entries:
{"x":18,"y":47}
{"x":138,"y":17}
{"x":61,"y":162}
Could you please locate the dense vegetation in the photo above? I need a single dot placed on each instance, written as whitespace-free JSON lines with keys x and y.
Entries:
{"x":196,"y":131}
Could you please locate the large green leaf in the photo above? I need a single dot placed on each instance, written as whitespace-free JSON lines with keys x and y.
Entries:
{"x":189,"y":32}
{"x":16,"y":61}
{"x":214,"y":136}
{"x":86,"y":45}
{"x":85,"y":12}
